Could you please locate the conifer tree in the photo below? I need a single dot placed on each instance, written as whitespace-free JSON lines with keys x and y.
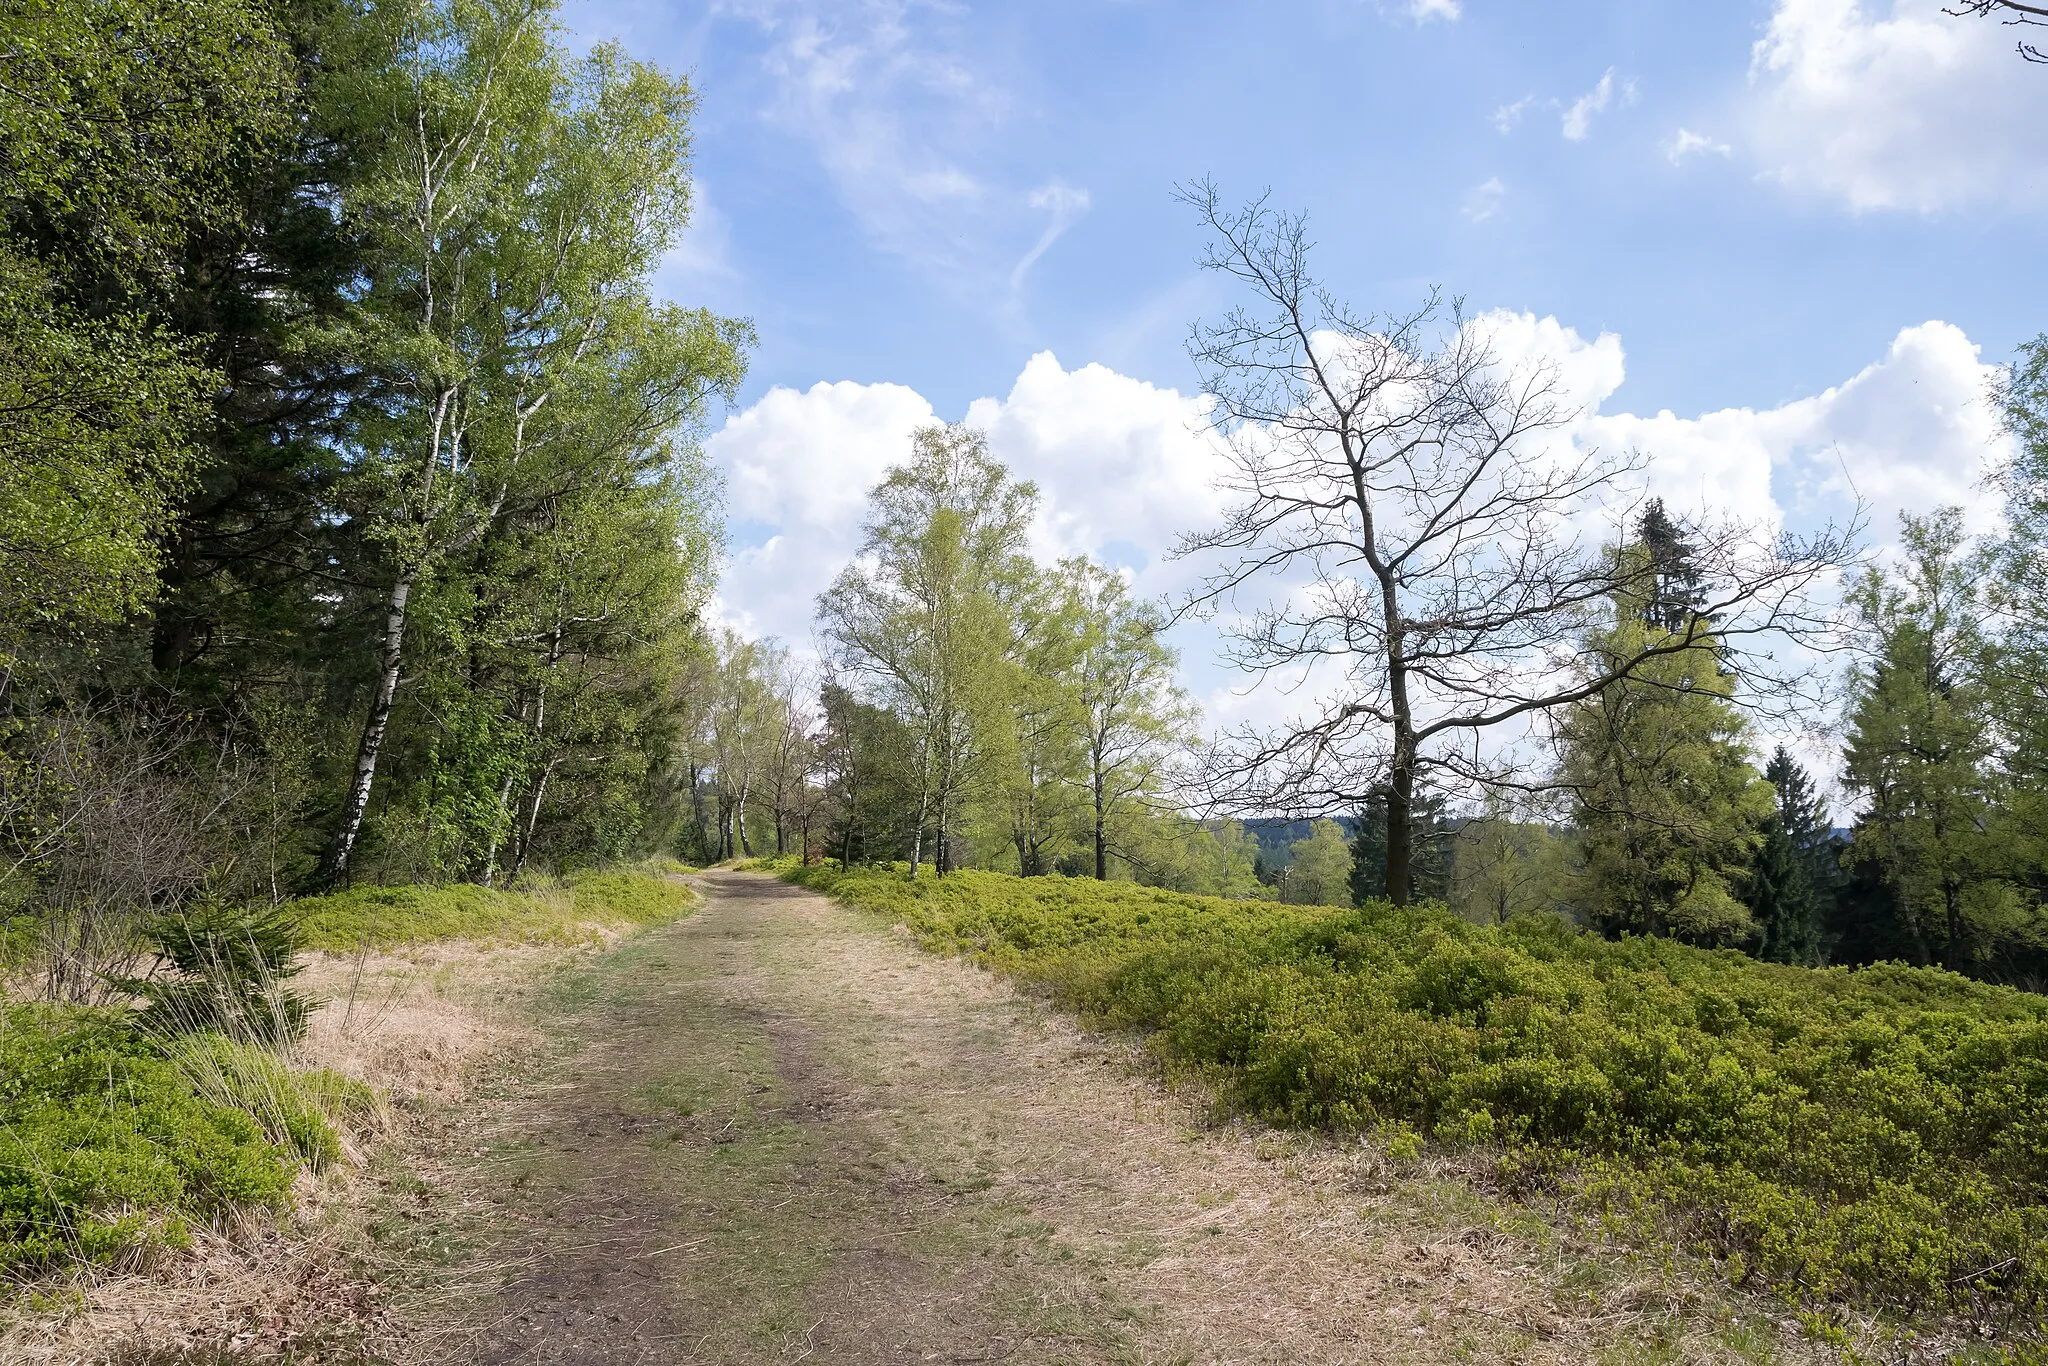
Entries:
{"x":1430,"y":843}
{"x":1920,"y":743}
{"x":1784,"y":890}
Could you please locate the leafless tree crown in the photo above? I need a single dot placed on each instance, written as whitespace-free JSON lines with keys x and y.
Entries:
{"x":2010,"y":12}
{"x":1432,"y":540}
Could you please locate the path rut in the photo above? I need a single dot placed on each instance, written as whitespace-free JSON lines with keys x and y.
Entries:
{"x":785,"y":1134}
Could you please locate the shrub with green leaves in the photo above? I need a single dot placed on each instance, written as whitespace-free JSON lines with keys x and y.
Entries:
{"x":1879,"y":1134}
{"x":107,"y":1146}
{"x":565,"y":913}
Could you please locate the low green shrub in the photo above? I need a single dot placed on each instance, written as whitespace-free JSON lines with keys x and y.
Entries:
{"x":565,"y":912}
{"x":1876,"y":1134}
{"x":107,"y":1146}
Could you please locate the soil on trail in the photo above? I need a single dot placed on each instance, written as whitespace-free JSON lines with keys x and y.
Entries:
{"x":782,"y":1133}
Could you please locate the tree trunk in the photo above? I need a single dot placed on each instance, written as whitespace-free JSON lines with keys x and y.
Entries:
{"x":740,"y":822}
{"x":540,"y":791}
{"x":697,"y":808}
{"x":504,"y":813}
{"x":1401,"y":826}
{"x":1952,"y":905}
{"x":374,"y":726}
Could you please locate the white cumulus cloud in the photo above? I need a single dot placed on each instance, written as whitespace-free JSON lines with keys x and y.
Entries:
{"x":1895,"y":106}
{"x":1125,"y":466}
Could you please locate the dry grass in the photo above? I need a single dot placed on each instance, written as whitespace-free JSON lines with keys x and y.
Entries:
{"x":418,"y":1026}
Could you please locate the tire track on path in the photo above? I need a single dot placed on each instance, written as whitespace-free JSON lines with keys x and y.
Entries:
{"x":785,"y":1134}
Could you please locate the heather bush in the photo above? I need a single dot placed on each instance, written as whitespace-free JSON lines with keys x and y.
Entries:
{"x":1878,"y":1134}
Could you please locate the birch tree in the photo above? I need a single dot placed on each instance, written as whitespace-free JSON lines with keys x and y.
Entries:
{"x":927,"y":613}
{"x":1134,"y":717}
{"x":517,"y":203}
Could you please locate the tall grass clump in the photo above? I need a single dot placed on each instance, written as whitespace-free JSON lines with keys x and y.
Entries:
{"x":1877,"y":1135}
{"x":122,"y":1126}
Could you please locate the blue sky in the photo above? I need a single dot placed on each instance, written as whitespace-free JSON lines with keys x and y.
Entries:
{"x":1775,"y":243}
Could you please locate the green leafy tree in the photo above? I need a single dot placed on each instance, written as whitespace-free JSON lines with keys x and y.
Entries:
{"x":1320,"y":874}
{"x":928,"y":616}
{"x":1205,"y":858}
{"x":2018,"y":591}
{"x":124,"y":125}
{"x":869,"y":762}
{"x":1040,"y":748}
{"x":1504,"y":865}
{"x":514,"y":204}
{"x":1920,"y":744}
{"x":1134,"y":716}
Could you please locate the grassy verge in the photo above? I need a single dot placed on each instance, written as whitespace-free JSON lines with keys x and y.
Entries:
{"x":575,"y":910}
{"x":113,"y":1142}
{"x":1877,"y":1136}
{"x":116,"y":1140}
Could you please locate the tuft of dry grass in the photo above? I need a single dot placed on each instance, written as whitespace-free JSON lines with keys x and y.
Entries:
{"x":420,"y":1026}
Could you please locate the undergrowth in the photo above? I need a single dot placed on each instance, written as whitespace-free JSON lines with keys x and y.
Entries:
{"x":1877,"y":1135}
{"x":114,"y":1141}
{"x":123,"y":1128}
{"x":571,"y":910}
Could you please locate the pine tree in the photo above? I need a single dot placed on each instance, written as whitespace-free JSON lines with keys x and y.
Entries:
{"x":1673,"y":594}
{"x":1667,"y":805}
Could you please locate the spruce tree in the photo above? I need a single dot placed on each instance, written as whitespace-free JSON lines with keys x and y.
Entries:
{"x":1782,"y":890}
{"x":1430,"y":840}
{"x":1672,"y":596}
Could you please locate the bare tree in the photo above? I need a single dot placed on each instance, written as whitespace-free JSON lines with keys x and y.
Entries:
{"x":2009,"y":12}
{"x":1427,"y":519}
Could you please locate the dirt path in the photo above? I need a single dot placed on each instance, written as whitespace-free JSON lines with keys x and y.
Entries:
{"x":784,"y":1134}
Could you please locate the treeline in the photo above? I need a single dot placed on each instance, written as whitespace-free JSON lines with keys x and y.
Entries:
{"x":980,"y":709}
{"x":975,"y":707}
{"x":1662,"y":821}
{"x":351,"y":525}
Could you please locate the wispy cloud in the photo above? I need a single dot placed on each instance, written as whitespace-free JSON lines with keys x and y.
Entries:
{"x":1422,"y":11}
{"x":1578,"y":118}
{"x":1483,"y":201}
{"x":895,"y":118}
{"x":1686,"y":143}
{"x":1508,"y":115}
{"x":1063,"y":204}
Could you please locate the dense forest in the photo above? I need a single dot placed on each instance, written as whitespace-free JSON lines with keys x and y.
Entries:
{"x":354,"y":529}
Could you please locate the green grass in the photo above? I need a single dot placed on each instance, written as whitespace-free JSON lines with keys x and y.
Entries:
{"x":115,"y":1139}
{"x":572,"y":911}
{"x":1878,"y":1135}
{"x":113,"y":1142}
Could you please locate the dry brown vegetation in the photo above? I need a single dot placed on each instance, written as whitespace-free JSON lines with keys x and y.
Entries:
{"x":417,"y":1026}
